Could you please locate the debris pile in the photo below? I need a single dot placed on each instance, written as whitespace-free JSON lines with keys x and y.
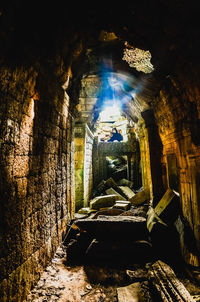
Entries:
{"x":109,"y":252}
{"x":117,"y":166}
{"x":113,"y":228}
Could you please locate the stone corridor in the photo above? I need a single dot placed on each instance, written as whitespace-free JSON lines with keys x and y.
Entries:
{"x":99,"y":133}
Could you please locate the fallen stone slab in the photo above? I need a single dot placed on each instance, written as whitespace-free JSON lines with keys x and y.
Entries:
{"x":166,"y":284}
{"x":125,"y":182}
{"x":127,"y":191}
{"x":166,"y":211}
{"x":109,"y":212}
{"x":123,"y":205}
{"x":115,"y":226}
{"x":140,"y":197}
{"x":80,"y":216}
{"x":103,"y":201}
{"x":111,"y":191}
{"x":85,"y":210}
{"x":111,"y":183}
{"x":168,"y":207}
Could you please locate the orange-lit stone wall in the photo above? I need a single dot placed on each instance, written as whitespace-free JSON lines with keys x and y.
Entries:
{"x":36,"y":177}
{"x":177,"y":113}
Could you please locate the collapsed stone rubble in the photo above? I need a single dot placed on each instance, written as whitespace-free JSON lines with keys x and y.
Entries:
{"x":124,"y":230}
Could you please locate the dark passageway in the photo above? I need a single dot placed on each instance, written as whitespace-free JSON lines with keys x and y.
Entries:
{"x":84,"y":216}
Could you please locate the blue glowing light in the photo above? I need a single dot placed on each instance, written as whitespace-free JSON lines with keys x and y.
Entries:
{"x":117,"y":88}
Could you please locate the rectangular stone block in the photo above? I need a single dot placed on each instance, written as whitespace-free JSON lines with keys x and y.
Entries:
{"x":111,"y":191}
{"x":115,"y":227}
{"x":127,"y":191}
{"x":125,"y":182}
{"x":103,"y":201}
{"x":122,"y":205}
{"x":166,"y":211}
{"x":140,"y":197}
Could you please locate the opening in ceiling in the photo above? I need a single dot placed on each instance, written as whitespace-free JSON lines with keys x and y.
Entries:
{"x":138,"y":58}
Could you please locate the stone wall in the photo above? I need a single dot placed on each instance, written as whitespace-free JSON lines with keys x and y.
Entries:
{"x":35,"y":177}
{"x":129,"y":149}
{"x":175,"y":147}
{"x":178,"y":116}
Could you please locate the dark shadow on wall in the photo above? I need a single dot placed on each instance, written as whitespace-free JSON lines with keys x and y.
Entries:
{"x":194,"y":124}
{"x":156,"y":151}
{"x":173,"y":173}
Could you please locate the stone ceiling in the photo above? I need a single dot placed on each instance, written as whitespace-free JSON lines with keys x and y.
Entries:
{"x":60,"y":36}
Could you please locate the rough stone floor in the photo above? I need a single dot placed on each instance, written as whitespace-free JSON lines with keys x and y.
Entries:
{"x":63,"y":283}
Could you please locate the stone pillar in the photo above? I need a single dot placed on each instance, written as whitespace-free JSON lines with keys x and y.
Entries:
{"x":95,"y":162}
{"x":83,"y":139}
{"x":88,"y":176}
{"x":79,"y":145}
{"x":145,"y":158}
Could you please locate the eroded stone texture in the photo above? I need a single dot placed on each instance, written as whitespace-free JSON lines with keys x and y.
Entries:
{"x":35,"y":178}
{"x":176,"y":153}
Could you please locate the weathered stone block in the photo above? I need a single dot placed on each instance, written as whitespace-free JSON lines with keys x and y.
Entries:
{"x":103,"y":201}
{"x":166,"y":211}
{"x":123,"y":205}
{"x":125,"y":182}
{"x":86,"y":210}
{"x":115,"y":226}
{"x":140,"y":197}
{"x":111,"y":191}
{"x":127,"y":191}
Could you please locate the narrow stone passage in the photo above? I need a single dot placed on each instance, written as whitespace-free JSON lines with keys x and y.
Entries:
{"x":99,"y":133}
